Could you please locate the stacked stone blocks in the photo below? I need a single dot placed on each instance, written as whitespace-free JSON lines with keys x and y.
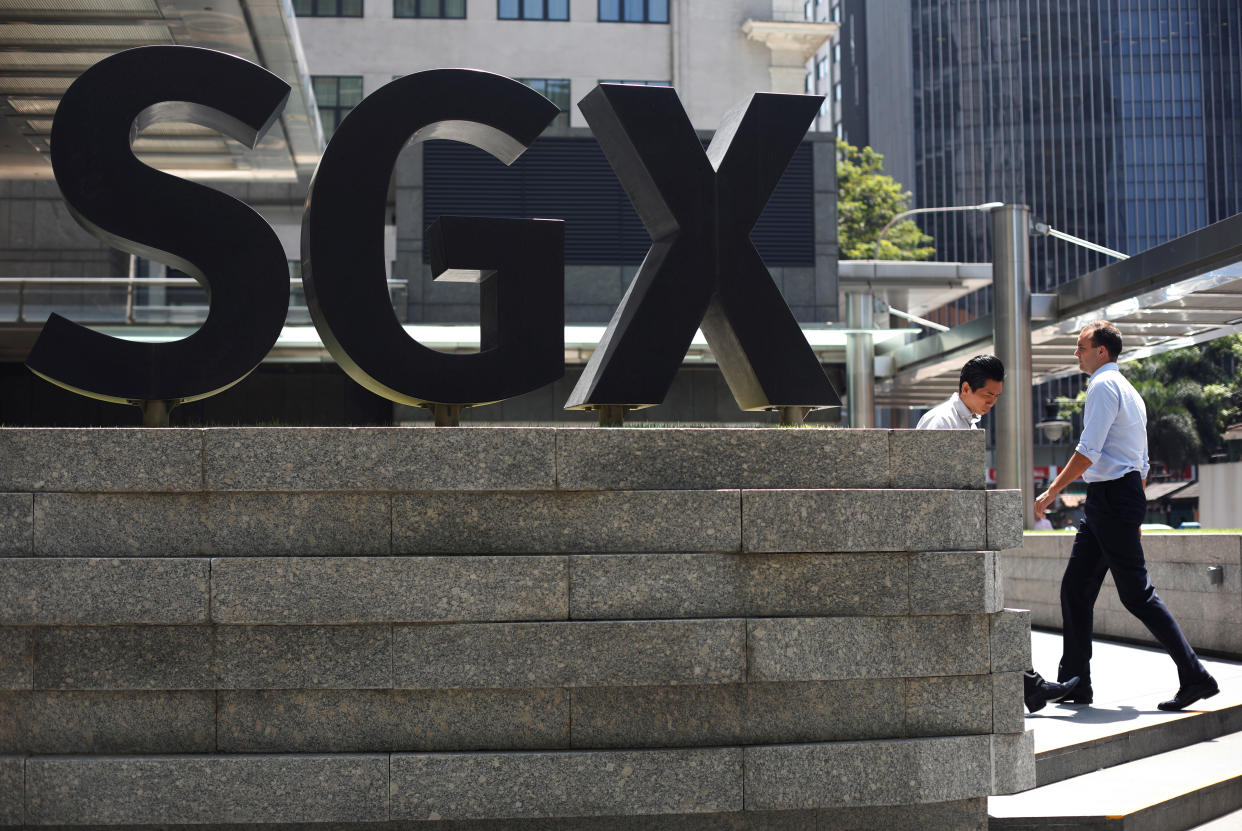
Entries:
{"x":757,"y":627}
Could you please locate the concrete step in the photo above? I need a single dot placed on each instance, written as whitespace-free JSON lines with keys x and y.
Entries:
{"x":1231,"y":821}
{"x":1171,"y":791}
{"x":1123,"y":724}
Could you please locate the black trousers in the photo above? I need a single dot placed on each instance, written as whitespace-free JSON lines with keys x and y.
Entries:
{"x":1108,"y":541}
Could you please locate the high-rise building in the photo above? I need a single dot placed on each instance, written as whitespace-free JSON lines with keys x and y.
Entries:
{"x":1116,"y":121}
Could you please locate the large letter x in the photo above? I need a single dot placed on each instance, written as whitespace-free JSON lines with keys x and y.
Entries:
{"x":702,"y":268}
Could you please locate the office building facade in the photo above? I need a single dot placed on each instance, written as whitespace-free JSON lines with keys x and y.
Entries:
{"x":1115,"y":120}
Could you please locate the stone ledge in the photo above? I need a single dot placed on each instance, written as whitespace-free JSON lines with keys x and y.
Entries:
{"x":16,"y":524}
{"x":576,"y":654}
{"x":360,"y":789}
{"x":396,"y":460}
{"x":206,"y":789}
{"x":108,"y":722}
{"x":1011,"y":640}
{"x":566,"y":522}
{"x":216,"y":524}
{"x":1013,"y":762}
{"x":814,"y":649}
{"x":497,"y":522}
{"x":937,"y":459}
{"x":296,"y":591}
{"x":101,"y":459}
{"x":571,"y":784}
{"x":853,"y":520}
{"x":712,"y":459}
{"x":1209,"y":614}
{"x":1004,"y":511}
{"x":302,"y":590}
{"x":93,"y":591}
{"x":368,"y":721}
{"x":379,"y":459}
{"x":198,"y":656}
{"x":16,"y":658}
{"x":793,"y":777}
{"x":704,"y":585}
{"x":1208,"y":548}
{"x":12,"y":790}
{"x":535,"y":718}
{"x":781,"y":585}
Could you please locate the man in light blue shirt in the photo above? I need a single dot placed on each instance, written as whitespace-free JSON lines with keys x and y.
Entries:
{"x":1112,"y":458}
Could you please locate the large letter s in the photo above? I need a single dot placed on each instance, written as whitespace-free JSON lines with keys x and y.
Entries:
{"x":222,"y":242}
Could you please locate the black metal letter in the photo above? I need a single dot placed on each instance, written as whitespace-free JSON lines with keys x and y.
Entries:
{"x":217,"y":239}
{"x":702,"y":268}
{"x":522,"y":337}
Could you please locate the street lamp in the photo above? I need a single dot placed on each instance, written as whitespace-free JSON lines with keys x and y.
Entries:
{"x":1053,"y":426}
{"x":986,"y":206}
{"x":859,"y":346}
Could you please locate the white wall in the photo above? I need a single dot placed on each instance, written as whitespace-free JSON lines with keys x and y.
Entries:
{"x":703,"y":51}
{"x":1220,"y":495}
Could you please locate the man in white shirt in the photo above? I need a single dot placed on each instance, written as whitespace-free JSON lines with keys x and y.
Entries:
{"x":979,"y":385}
{"x":1112,"y":458}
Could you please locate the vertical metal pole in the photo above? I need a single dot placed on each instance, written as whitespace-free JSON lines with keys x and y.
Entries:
{"x":1011,"y":281}
{"x":859,"y":360}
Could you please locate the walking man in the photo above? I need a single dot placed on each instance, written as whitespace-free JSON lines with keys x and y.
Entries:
{"x":979,"y":385}
{"x":1111,"y":457}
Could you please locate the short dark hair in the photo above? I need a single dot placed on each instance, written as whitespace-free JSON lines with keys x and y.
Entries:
{"x":1106,"y":335}
{"x":981,"y":369}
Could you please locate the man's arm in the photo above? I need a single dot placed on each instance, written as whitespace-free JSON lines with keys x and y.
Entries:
{"x":1076,"y":466}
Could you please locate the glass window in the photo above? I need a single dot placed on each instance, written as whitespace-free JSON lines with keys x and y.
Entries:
{"x":336,"y":95}
{"x":455,"y":9}
{"x":327,"y":8}
{"x":555,"y":90}
{"x":532,"y":9}
{"x":633,"y":11}
{"x":821,"y":68}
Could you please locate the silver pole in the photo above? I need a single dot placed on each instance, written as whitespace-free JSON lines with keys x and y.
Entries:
{"x":1011,"y":280}
{"x":859,"y":360}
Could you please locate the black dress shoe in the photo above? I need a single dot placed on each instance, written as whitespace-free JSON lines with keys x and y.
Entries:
{"x":1037,"y":692}
{"x":1081,"y":694}
{"x":1191,"y":693}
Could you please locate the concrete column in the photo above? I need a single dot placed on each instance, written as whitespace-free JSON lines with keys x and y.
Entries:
{"x":1011,"y":280}
{"x":859,"y":360}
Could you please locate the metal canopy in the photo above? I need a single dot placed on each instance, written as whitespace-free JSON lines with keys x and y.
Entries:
{"x":913,"y":286}
{"x":1181,"y":293}
{"x":46,"y":44}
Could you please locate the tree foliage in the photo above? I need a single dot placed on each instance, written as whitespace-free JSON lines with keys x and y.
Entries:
{"x":866,"y":200}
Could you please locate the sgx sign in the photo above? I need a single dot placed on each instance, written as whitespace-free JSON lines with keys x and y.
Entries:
{"x":699,"y":207}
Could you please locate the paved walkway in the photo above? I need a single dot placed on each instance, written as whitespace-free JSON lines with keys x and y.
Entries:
{"x":1129,"y":681}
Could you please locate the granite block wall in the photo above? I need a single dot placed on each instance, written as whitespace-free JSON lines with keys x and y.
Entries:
{"x":484,"y":628}
{"x":1199,"y":576}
